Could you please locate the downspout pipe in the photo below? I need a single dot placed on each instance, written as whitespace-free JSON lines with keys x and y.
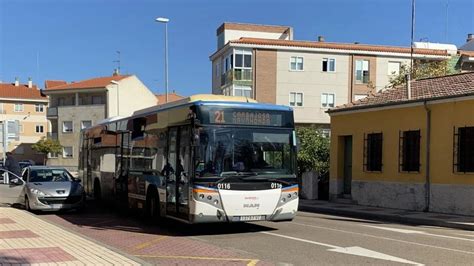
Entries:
{"x":427,"y":173}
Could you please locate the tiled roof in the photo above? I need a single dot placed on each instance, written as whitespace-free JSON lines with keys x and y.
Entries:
{"x":101,"y":82}
{"x":466,"y":53}
{"x":161,"y":98}
{"x":423,"y":89}
{"x":339,"y":46}
{"x":9,"y":90}
{"x":53,"y":83}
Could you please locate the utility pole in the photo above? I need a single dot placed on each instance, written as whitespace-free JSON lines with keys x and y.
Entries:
{"x":412,"y":35}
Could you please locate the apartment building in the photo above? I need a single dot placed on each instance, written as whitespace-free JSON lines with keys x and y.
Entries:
{"x":78,"y":105}
{"x":23,"y":105}
{"x":265,"y":63}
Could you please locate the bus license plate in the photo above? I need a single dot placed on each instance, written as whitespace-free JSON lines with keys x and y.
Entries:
{"x":250,"y":218}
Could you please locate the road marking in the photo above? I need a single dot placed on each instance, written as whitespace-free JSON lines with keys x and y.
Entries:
{"x":357,"y":251}
{"x":148,"y":243}
{"x":405,"y":231}
{"x":384,"y":238}
{"x":252,"y":262}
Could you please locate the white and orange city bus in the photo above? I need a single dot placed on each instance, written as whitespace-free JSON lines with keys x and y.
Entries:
{"x":206,"y":158}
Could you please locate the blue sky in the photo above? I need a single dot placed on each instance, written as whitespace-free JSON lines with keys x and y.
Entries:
{"x":76,"y":40}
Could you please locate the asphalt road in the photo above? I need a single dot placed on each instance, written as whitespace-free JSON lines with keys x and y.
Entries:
{"x":310,"y":239}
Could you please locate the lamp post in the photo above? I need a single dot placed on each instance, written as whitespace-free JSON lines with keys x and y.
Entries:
{"x":165,"y":21}
{"x":118,"y":103}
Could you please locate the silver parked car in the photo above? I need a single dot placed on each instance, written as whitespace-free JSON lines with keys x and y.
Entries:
{"x":49,"y":188}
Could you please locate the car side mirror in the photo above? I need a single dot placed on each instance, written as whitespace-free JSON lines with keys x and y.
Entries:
{"x":78,"y":180}
{"x":16,"y":182}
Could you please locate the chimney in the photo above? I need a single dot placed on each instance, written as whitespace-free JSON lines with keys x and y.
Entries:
{"x":470,"y":37}
{"x":30,"y":83}
{"x":321,"y":38}
{"x":408,"y":81}
{"x":17,"y":82}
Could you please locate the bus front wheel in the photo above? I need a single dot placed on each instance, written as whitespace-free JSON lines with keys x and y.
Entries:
{"x":152,"y":205}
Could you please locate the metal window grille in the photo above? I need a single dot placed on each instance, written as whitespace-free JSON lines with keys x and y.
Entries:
{"x":463,"y":150}
{"x":373,"y":143}
{"x":409,"y":151}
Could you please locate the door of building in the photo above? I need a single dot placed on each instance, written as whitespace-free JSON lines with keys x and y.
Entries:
{"x":347,"y":165}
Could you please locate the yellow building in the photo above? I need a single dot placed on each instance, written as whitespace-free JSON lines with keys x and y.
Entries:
{"x":25,"y":104}
{"x":416,"y":153}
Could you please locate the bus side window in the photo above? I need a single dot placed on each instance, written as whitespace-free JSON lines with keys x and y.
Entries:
{"x":138,"y":130}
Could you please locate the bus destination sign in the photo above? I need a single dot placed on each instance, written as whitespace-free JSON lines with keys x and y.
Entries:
{"x":245,"y":117}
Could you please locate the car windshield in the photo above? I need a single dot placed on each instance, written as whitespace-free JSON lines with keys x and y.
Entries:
{"x":50,"y":175}
{"x":244,"y":151}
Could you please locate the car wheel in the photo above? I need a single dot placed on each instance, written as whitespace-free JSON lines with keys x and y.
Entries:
{"x":27,"y":204}
{"x":152,"y":205}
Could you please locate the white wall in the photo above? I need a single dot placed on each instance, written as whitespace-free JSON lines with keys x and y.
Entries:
{"x":133,"y":96}
{"x":312,"y":82}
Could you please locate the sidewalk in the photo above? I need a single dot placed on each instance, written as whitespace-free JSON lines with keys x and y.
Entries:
{"x":392,"y":215}
{"x":27,"y":239}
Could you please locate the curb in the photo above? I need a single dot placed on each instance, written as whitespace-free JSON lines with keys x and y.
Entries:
{"x":385,"y":217}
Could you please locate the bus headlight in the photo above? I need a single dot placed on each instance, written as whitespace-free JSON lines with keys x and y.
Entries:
{"x":208,"y":196}
{"x":288,"y":194}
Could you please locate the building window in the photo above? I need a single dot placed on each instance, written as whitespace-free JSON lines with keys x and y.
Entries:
{"x":329,"y":65}
{"x":39,"y":108}
{"x":362,"y":71}
{"x":296,"y":63}
{"x":97,"y":100}
{"x":243,"y":65}
{"x":86,"y":124}
{"x":53,"y":155}
{"x":394,"y":68}
{"x":39,"y":129}
{"x":464,"y":149}
{"x":243,"y":91}
{"x":296,"y":99}
{"x":18,"y":107}
{"x":327,"y":100}
{"x":67,"y":152}
{"x":67,"y":126}
{"x":373,"y":152}
{"x":410,"y":151}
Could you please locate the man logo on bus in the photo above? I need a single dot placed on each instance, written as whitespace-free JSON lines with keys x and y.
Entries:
{"x":252,"y":205}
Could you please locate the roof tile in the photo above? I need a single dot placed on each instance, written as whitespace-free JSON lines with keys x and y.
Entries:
{"x":100,"y":82}
{"x":339,"y":46}
{"x":9,"y":90}
{"x":422,"y":89}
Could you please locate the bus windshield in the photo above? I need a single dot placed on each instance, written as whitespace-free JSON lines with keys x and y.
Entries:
{"x":239,"y":151}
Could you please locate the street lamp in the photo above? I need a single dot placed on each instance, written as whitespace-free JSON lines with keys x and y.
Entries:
{"x":118,"y":86}
{"x":165,"y":21}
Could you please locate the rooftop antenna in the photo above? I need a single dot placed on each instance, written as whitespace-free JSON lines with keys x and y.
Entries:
{"x":118,"y":62}
{"x":447,"y":21}
{"x":412,"y":35}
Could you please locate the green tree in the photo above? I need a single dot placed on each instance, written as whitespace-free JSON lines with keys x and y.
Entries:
{"x":46,"y":146}
{"x":313,"y":152}
{"x":420,"y":70}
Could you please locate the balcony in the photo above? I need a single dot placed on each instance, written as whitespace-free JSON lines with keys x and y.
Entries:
{"x":241,"y":77}
{"x":52,"y":112}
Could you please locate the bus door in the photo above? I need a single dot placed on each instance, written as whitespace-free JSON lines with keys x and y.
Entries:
{"x":169,"y":172}
{"x":122,"y":164}
{"x":177,"y":174}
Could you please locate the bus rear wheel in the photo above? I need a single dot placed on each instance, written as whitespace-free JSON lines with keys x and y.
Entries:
{"x":152,"y":205}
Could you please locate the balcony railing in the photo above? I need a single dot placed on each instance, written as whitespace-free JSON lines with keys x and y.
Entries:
{"x":237,"y":76}
{"x":52,"y":111}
